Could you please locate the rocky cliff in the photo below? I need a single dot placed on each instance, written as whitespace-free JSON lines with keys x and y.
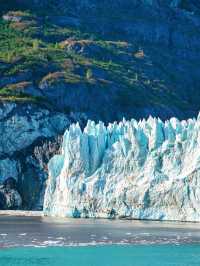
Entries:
{"x":138,"y":170}
{"x":29,"y":137}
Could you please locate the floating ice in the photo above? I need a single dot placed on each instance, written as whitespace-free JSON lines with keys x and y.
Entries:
{"x":141,"y":170}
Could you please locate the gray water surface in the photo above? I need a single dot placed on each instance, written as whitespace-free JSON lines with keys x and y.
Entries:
{"x":43,"y":231}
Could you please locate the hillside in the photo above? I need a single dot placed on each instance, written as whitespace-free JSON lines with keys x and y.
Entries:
{"x":64,"y":61}
{"x":108,"y":60}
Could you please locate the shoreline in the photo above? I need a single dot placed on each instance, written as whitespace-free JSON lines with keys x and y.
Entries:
{"x":42,"y":231}
{"x":21,"y":213}
{"x":40,"y":214}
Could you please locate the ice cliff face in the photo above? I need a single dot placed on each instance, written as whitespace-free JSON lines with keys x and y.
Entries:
{"x":141,"y":170}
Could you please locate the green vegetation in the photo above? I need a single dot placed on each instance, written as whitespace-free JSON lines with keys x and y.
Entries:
{"x":60,"y":77}
{"x":17,"y":92}
{"x":89,"y":74}
{"x":22,"y":98}
{"x":42,"y":52}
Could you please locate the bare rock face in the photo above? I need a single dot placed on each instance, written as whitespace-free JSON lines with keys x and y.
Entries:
{"x":94,"y":4}
{"x":9,"y":196}
{"x":29,"y":137}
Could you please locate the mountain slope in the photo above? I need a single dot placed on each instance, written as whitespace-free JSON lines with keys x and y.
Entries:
{"x":124,"y":58}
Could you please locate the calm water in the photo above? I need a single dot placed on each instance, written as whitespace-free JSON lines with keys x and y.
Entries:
{"x":28,"y":241}
{"x":157,"y":255}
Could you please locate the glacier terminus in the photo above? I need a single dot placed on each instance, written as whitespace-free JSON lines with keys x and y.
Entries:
{"x":147,"y":169}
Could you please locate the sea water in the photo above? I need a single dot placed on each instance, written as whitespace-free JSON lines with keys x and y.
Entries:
{"x":140,"y":255}
{"x":28,"y":241}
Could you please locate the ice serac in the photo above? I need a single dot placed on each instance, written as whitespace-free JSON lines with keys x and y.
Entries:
{"x":142,"y":170}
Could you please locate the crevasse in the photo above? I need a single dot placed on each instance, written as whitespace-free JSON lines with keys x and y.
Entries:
{"x":141,"y":170}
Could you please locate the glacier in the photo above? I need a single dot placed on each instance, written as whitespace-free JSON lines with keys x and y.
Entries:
{"x":147,"y":169}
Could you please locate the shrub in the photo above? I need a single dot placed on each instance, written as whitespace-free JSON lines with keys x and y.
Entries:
{"x":89,"y":74}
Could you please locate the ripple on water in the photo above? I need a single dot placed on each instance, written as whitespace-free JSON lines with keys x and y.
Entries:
{"x":16,"y":234}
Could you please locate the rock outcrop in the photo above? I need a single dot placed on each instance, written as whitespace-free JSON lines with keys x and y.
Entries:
{"x":9,"y":196}
{"x":139,"y":170}
{"x":29,"y":137}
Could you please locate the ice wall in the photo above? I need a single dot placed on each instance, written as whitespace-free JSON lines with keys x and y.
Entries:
{"x":141,"y":170}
